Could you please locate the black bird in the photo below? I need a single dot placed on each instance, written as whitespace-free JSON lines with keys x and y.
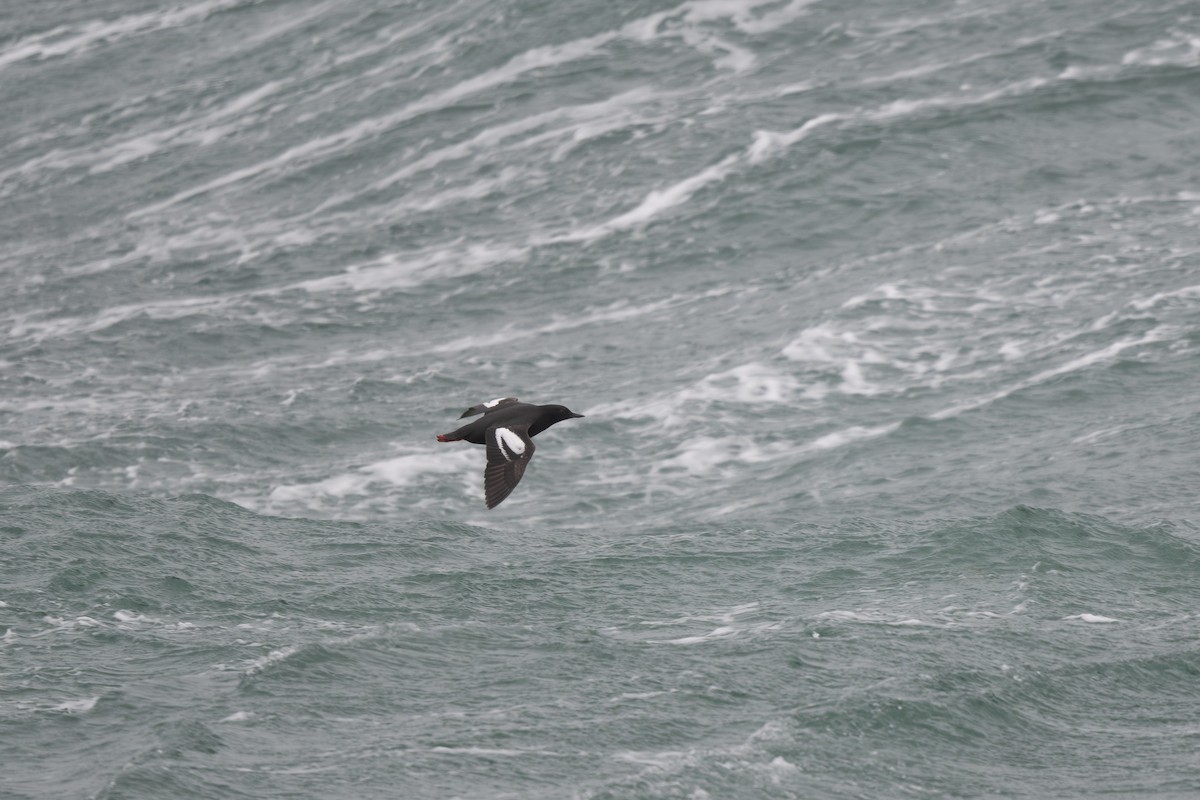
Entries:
{"x":507,"y":427}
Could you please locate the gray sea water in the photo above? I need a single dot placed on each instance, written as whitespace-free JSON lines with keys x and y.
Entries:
{"x":884,"y":316}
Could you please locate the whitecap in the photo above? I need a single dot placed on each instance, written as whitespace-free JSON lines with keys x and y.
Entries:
{"x":488,"y":751}
{"x":1179,"y":49}
{"x":238,"y":716}
{"x":750,"y":383}
{"x":397,"y":471}
{"x":1093,"y":618}
{"x":370,"y":482}
{"x":768,"y":144}
{"x":723,"y":615}
{"x":81,"y":706}
{"x":274,"y":657}
{"x":879,"y":618}
{"x":702,"y":454}
{"x":849,"y":435}
{"x":129,"y":617}
{"x":637,"y":696}
{"x":779,"y":767}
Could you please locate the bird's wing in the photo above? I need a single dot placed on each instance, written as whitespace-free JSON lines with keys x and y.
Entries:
{"x":509,"y":450}
{"x":490,"y":405}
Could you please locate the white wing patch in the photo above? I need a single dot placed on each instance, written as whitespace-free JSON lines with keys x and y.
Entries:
{"x":493,"y":403}
{"x":509,"y":443}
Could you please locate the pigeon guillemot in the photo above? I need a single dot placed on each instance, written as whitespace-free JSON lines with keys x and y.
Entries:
{"x":507,"y":427}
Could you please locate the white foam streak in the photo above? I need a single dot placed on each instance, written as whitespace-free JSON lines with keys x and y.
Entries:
{"x":590,"y":119}
{"x":702,"y":455}
{"x":717,"y":633}
{"x":657,"y":201}
{"x":878,"y":618}
{"x":64,"y":41}
{"x":751,"y":383}
{"x":390,"y":38}
{"x":726,"y":616}
{"x":202,"y":132}
{"x":694,"y":13}
{"x":536,"y":58}
{"x":1184,"y":293}
{"x":618,"y":311}
{"x":1180,"y":49}
{"x":405,"y":271}
{"x":857,"y":433}
{"x":770,"y":144}
{"x":741,"y":13}
{"x":38,"y":330}
{"x":1074,"y":365}
{"x":488,"y":752}
{"x":730,"y":625}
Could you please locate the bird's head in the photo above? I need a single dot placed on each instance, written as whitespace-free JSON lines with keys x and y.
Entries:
{"x":562,"y":412}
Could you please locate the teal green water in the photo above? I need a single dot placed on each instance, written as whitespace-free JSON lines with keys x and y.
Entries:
{"x":885,"y":319}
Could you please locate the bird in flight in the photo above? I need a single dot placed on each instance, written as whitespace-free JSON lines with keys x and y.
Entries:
{"x":507,"y":428}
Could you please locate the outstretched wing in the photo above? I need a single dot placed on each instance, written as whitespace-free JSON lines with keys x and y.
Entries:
{"x":509,"y":450}
{"x":490,"y":405}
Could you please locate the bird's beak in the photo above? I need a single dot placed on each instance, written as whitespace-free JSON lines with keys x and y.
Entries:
{"x":577,"y":416}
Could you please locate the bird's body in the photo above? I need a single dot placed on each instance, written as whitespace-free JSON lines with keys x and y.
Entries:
{"x":506,"y":428}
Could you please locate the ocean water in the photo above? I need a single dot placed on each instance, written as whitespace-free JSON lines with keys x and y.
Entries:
{"x":884,"y":316}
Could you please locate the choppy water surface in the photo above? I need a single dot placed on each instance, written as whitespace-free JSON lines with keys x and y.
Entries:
{"x":884,"y":317}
